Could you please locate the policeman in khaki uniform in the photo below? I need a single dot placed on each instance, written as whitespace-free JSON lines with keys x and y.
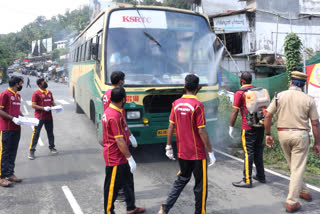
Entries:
{"x":294,"y":108}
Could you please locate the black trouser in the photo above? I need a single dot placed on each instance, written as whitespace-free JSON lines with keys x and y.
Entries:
{"x":253,"y":151}
{"x":9,"y":147}
{"x":48,"y":124}
{"x":118,"y":177}
{"x":28,"y":84}
{"x":199,"y":170}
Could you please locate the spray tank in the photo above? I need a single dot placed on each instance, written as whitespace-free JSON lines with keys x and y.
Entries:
{"x":257,"y":101}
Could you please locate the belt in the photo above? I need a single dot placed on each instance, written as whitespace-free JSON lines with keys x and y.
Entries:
{"x":287,"y":129}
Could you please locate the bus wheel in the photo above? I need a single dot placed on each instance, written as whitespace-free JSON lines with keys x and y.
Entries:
{"x":78,"y":108}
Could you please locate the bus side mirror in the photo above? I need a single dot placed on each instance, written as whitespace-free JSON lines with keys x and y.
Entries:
{"x":94,"y":51}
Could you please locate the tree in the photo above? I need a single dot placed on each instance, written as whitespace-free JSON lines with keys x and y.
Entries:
{"x":292,"y":49}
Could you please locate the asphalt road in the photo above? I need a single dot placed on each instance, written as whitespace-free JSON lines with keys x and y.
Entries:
{"x":78,"y":170}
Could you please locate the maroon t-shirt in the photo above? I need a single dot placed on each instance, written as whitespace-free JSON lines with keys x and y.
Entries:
{"x":114,"y":126}
{"x":187,"y":114}
{"x":42,"y":98}
{"x":10,"y":102}
{"x":239,"y":102}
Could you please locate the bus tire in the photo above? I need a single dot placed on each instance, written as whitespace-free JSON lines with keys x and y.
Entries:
{"x":78,"y":108}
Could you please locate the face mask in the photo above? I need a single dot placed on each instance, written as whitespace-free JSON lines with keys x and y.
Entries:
{"x":20,"y":88}
{"x":45,"y":85}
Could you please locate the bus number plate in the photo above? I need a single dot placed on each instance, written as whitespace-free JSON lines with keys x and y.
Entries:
{"x":162,"y":132}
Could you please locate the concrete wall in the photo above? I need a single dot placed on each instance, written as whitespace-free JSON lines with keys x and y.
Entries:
{"x":308,"y":29}
{"x":211,"y":7}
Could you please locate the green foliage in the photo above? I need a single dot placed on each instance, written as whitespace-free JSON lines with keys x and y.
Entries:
{"x":292,"y":49}
{"x":59,"y":27}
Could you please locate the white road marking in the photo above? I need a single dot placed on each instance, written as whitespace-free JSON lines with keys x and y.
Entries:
{"x":71,"y":100}
{"x":26,"y":112}
{"x":72,"y":201}
{"x":267,"y":170}
{"x":39,"y":140}
{"x":29,"y":102}
{"x":63,"y":102}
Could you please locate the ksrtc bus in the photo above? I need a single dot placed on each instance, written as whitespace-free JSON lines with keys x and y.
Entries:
{"x":156,"y":47}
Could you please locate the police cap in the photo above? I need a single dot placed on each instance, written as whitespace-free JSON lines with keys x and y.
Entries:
{"x":297,"y":75}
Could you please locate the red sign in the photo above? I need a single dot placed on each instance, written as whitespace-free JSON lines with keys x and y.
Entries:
{"x":134,"y":98}
{"x":26,"y":60}
{"x":136,"y":19}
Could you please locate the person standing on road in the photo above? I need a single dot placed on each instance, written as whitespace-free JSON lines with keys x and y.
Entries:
{"x":117,"y":80}
{"x":28,"y":83}
{"x":252,"y":137}
{"x":10,"y":101}
{"x":188,"y":119}
{"x":42,"y":100}
{"x":294,"y":108}
{"x":119,"y":162}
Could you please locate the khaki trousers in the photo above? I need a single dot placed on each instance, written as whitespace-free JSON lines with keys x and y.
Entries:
{"x":295,"y":146}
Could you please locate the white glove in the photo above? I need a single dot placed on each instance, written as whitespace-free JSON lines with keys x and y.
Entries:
{"x":169,"y":152}
{"x":47,"y":108}
{"x":231,"y":132}
{"x":132,"y":164}
{"x":133,"y":141}
{"x":212,"y":158}
{"x":16,"y":121}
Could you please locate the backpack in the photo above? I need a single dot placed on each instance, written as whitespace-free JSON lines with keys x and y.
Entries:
{"x":257,"y":100}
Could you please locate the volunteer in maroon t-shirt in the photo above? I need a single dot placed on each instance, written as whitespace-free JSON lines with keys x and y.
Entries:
{"x":10,"y":102}
{"x":119,"y":163}
{"x":117,"y":80}
{"x":251,"y":137}
{"x":42,"y":101}
{"x":188,"y":119}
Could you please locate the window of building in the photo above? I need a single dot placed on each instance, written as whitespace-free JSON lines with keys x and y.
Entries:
{"x":233,"y":42}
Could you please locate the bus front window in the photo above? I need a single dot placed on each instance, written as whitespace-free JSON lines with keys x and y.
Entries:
{"x":158,"y":47}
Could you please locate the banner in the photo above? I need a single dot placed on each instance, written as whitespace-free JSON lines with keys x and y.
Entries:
{"x":314,"y":84}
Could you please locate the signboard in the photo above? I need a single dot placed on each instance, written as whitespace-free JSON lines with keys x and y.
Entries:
{"x":143,"y":19}
{"x":234,"y":23}
{"x":314,"y":83}
{"x":309,"y":6}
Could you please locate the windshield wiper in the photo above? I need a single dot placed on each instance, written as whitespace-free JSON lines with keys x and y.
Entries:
{"x":146,"y":33}
{"x":151,"y":38}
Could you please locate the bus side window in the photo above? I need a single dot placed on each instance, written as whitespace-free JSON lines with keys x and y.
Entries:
{"x":78,"y":54}
{"x":84,"y":52}
{"x":99,"y":45}
{"x":88,"y":50}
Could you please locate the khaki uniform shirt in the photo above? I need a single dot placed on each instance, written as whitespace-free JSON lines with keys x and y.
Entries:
{"x":294,"y":109}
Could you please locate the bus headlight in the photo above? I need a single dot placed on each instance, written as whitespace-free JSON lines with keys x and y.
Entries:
{"x":133,"y":115}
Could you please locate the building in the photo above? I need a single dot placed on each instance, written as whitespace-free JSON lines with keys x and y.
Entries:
{"x":255,"y":30}
{"x":61,"y":44}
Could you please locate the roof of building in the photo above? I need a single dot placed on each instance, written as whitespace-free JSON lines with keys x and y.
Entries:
{"x":232,"y":12}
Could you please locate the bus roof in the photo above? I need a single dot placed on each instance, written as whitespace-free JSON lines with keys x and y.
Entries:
{"x":110,"y":9}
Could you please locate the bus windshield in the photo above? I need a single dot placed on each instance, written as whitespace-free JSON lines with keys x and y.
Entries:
{"x":156,"y":47}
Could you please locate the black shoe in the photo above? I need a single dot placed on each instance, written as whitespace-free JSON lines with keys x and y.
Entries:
{"x":259,"y":179}
{"x":53,"y":151}
{"x":242,"y":184}
{"x":31,"y":156}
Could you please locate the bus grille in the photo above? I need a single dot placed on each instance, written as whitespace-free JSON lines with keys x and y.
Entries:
{"x":159,"y":103}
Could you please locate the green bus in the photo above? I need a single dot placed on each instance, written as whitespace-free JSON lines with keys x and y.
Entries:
{"x":156,"y":47}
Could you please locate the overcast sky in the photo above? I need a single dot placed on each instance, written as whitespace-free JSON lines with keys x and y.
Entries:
{"x":14,"y":14}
